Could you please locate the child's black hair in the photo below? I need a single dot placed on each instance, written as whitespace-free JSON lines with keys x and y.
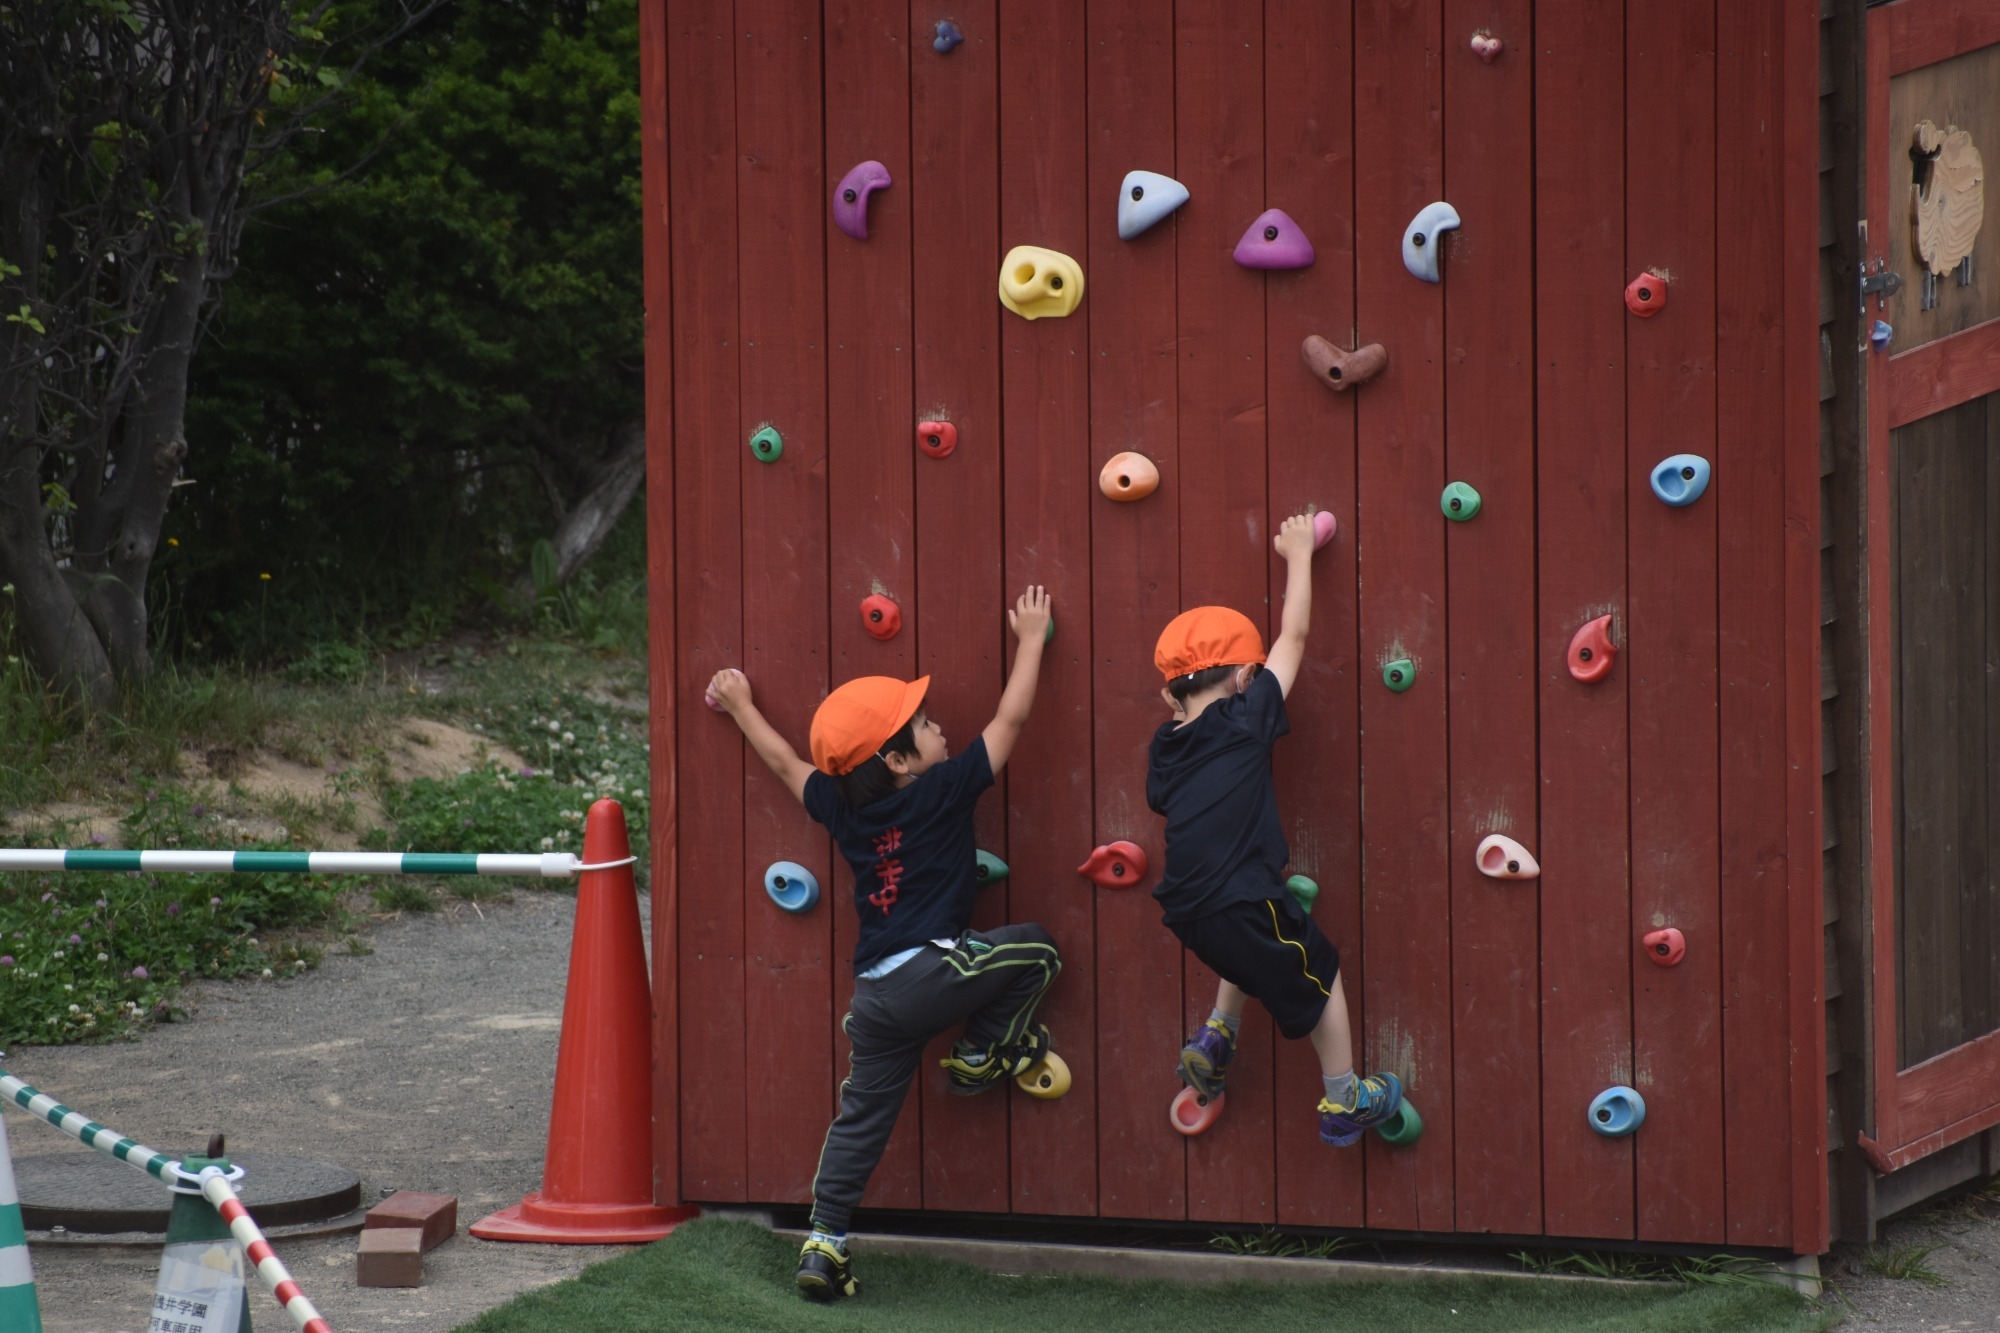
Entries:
{"x":1195,"y":682}
{"x":873,"y":779}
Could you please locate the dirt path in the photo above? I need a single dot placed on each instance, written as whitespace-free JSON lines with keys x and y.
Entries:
{"x":427,"y":1065}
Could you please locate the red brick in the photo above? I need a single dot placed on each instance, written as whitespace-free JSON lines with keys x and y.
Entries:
{"x":390,"y":1257}
{"x":435,"y":1215}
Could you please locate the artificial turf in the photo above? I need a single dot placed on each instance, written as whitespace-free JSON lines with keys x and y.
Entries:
{"x":724,"y":1275}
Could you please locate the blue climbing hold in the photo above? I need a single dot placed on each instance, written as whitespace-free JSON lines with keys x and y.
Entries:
{"x":1144,"y":197}
{"x":1880,"y":333}
{"x":1680,"y":480}
{"x":791,"y":886}
{"x":1618,"y":1111}
{"x":947,"y":37}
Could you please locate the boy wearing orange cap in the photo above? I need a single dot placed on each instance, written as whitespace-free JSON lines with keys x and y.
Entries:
{"x":1223,"y":887}
{"x":900,"y":807}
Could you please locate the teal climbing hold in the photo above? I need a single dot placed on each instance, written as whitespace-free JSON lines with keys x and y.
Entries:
{"x":1405,"y":1126}
{"x":1304,"y":890}
{"x":1617,"y":1111}
{"x":990,"y":868}
{"x":1400,"y":674}
{"x":1459,"y":502}
{"x":767,"y":444}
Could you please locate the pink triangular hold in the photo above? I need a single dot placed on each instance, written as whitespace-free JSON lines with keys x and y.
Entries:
{"x":1274,"y":241}
{"x":1503,"y":858}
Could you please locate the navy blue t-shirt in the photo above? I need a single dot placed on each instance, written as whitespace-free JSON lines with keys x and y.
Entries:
{"x":912,"y":853}
{"x":1212,"y":781}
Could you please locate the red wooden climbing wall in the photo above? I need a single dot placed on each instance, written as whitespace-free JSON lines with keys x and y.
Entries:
{"x":1659,"y":796}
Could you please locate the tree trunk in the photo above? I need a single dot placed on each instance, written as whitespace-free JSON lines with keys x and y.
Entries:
{"x":583,"y":527}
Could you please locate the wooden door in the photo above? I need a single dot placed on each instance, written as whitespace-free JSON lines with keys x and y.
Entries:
{"x":1933,"y":528}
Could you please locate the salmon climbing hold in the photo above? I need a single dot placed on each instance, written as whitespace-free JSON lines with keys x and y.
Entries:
{"x":1400,"y":674}
{"x":1618,"y":1111}
{"x":1665,"y":947}
{"x":1486,"y":46}
{"x":767,"y":445}
{"x":1405,"y":1126}
{"x":945,"y":37}
{"x":1646,"y":295}
{"x":1421,"y":239}
{"x":1459,"y":502}
{"x":1591,"y":651}
{"x":1304,"y":890}
{"x":1128,"y":477}
{"x":850,"y":197}
{"x":791,"y":886}
{"x":880,"y":616}
{"x":1503,"y":858}
{"x":988,"y":868}
{"x":937,"y":438}
{"x":1680,"y":480}
{"x":1040,"y":284}
{"x":1115,"y":865}
{"x":1340,"y":369}
{"x":1144,"y":197}
{"x":1190,"y":1115}
{"x":1325,"y":525}
{"x":1274,"y":241}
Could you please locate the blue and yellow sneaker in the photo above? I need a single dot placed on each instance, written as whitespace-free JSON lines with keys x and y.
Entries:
{"x":825,"y":1274}
{"x":1375,"y":1100}
{"x":1205,"y":1059}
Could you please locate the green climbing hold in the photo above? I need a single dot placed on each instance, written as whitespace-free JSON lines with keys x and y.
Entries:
{"x":1304,"y":890}
{"x":990,"y":870}
{"x":1459,"y":502}
{"x":767,"y":444}
{"x":1406,"y":1126}
{"x":1049,"y":636}
{"x":1400,"y":674}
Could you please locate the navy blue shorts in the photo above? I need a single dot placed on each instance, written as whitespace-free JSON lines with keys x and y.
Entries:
{"x":1271,"y":950}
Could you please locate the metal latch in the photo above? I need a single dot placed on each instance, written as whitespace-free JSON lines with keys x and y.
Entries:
{"x":1882,"y":284}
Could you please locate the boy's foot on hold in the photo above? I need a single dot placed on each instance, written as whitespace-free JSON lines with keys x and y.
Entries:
{"x":1375,"y":1100}
{"x":1205,"y":1060}
{"x":825,"y":1273}
{"x":972,"y":1069}
{"x":1024,"y":1055}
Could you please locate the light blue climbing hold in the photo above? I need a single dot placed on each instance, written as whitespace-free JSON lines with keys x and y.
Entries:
{"x":791,"y":886}
{"x":1144,"y":197}
{"x":1680,"y":480}
{"x":1618,"y":1111}
{"x":1880,"y":333}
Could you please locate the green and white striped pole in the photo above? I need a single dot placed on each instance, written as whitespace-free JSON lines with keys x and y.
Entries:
{"x":542,"y":865}
{"x":18,"y":1311}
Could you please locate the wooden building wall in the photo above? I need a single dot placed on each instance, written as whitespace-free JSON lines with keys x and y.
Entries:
{"x":1681,"y":791}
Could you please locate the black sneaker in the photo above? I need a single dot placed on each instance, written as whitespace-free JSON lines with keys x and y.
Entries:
{"x":825,"y":1273}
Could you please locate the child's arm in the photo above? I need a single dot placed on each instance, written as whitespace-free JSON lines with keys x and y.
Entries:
{"x":1295,"y":543}
{"x":1030,"y":621}
{"x":731,"y":689}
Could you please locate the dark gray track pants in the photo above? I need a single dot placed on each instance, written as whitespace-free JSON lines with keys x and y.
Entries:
{"x":993,"y":982}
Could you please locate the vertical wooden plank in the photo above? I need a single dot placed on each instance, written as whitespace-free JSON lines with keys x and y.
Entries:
{"x":954,"y":201}
{"x":782,"y":219}
{"x":1049,"y":482}
{"x":1490,"y":445}
{"x":708,"y":603}
{"x":1135,"y":561}
{"x":1398,"y":169}
{"x":1309,"y":131}
{"x":1750,"y":511}
{"x":870,"y":442}
{"x":663,"y":684}
{"x":1976,"y":906}
{"x":1671,"y":654}
{"x":1581,"y":484}
{"x":1220,"y":493}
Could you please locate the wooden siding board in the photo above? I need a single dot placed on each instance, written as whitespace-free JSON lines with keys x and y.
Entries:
{"x":1587,"y":1180}
{"x":708,"y":594}
{"x":1750,"y":506}
{"x":782,"y":290}
{"x":1135,"y":560}
{"x":1220,"y":492}
{"x":1399,"y":168}
{"x":870,"y":448}
{"x":1045,"y":395}
{"x":1308,"y":114}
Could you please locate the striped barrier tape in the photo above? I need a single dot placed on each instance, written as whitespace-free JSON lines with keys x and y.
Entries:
{"x":545,"y":865}
{"x":215,"y":1188}
{"x":88,"y":1132}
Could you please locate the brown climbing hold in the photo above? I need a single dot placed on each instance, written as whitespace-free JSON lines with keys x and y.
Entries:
{"x":1339,"y":368}
{"x":1128,"y":477}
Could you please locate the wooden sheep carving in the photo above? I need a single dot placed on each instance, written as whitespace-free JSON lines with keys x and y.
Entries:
{"x":1947,"y":203}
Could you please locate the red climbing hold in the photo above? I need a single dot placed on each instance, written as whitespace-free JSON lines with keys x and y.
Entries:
{"x":937,"y":438}
{"x":880,"y":616}
{"x":1591,"y":651}
{"x":1665,"y":947}
{"x":1115,"y":865}
{"x":1646,"y":296}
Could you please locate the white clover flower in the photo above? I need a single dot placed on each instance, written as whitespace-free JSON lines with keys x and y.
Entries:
{"x":554,"y":727}
{"x":267,"y":974}
{"x":76,"y":1008}
{"x":104,"y":958}
{"x":569,"y":738}
{"x":548,"y":844}
{"x":58,"y":953}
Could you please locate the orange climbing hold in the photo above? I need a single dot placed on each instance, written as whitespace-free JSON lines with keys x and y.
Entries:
{"x":1128,"y":477}
{"x":1115,"y":865}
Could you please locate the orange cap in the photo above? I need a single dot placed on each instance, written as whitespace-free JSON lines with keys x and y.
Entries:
{"x":859,"y":717}
{"x":1205,"y":637}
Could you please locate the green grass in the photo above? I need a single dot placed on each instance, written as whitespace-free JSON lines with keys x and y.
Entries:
{"x":724,"y":1275}
{"x":1905,"y":1263}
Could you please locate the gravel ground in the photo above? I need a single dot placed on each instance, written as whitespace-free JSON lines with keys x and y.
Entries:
{"x":427,"y":1065}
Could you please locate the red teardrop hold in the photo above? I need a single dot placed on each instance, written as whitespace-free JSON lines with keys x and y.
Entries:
{"x":880,"y":616}
{"x":937,"y":438}
{"x":1591,"y":651}
{"x":1646,"y":295}
{"x":1115,"y":865}
{"x":1665,"y":947}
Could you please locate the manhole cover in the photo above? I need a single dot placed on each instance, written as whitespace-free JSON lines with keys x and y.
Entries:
{"x":89,"y":1193}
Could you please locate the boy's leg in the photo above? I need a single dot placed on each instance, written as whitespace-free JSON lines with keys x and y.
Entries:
{"x":1332,"y":1038}
{"x":1205,"y":1059}
{"x":880,"y":1066}
{"x":995,"y":980}
{"x":1351,"y":1106}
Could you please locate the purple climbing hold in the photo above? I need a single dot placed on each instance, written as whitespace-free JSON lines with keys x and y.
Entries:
{"x":1274,"y":241}
{"x":850,"y":197}
{"x":947,"y":37}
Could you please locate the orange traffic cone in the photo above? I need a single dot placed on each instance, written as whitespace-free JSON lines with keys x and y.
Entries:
{"x":597,"y":1180}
